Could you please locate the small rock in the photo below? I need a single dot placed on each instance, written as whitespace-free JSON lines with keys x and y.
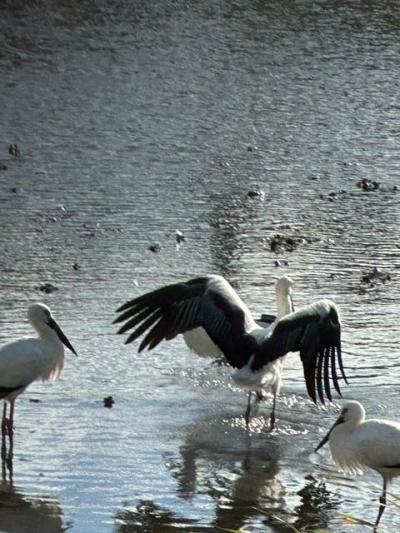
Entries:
{"x":47,"y":288}
{"x":34,"y":400}
{"x":76,"y":266}
{"x":255,"y":194}
{"x":14,"y":150}
{"x":14,"y":190}
{"x":108,"y":401}
{"x":3,"y":166}
{"x":154,"y":248}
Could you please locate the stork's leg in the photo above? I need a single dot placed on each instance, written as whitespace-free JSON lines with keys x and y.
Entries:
{"x":272,"y":417}
{"x":11,"y":426}
{"x":382,"y":501}
{"x":4,"y":420}
{"x":4,"y":432}
{"x":248,"y":410}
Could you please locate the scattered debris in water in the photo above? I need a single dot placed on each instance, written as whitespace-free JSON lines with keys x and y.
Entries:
{"x":179,"y":236}
{"x":280,"y":263}
{"x":47,"y":288}
{"x":279,"y":243}
{"x":14,"y":150}
{"x":368,"y":185}
{"x":375,"y":276}
{"x":108,"y":401}
{"x":154,"y":248}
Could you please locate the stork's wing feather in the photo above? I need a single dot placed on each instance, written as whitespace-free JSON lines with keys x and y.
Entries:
{"x":209,"y":302}
{"x":314,"y":331}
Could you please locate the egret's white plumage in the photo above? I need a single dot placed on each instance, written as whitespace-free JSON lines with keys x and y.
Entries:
{"x":357,"y":444}
{"x":211,"y":303}
{"x":27,"y":360}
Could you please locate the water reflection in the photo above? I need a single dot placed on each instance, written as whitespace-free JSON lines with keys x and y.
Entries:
{"x":242,"y":476}
{"x":20,"y":513}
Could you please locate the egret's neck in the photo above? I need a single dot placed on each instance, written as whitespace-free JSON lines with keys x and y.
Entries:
{"x":283,"y":303}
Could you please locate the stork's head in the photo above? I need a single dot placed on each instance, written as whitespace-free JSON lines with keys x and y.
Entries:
{"x":284,"y":285}
{"x":40,"y":317}
{"x":353,"y":413}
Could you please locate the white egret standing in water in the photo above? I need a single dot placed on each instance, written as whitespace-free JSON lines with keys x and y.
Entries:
{"x":211,"y":303}
{"x":356,"y":444}
{"x":28,"y":360}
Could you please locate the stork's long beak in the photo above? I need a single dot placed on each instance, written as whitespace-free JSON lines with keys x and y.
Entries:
{"x":340,"y":420}
{"x":53,"y":324}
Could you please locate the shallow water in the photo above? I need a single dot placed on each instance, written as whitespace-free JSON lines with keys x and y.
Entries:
{"x":134,"y":121}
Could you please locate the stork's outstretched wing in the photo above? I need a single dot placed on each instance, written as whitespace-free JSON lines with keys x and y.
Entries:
{"x":314,"y":331}
{"x":208,"y":301}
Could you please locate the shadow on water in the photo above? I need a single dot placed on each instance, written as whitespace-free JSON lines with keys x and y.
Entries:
{"x":19,"y":513}
{"x":240,"y":474}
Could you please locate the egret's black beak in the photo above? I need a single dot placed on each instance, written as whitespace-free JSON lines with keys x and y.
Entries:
{"x":53,"y":324}
{"x":340,"y":420}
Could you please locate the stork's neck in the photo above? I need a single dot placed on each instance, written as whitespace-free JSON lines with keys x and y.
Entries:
{"x":284,"y":303}
{"x":45,"y":332}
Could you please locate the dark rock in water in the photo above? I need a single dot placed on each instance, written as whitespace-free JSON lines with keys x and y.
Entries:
{"x":14,"y":190}
{"x":154,"y":248}
{"x":3,"y":166}
{"x":76,"y":266}
{"x":375,"y":276}
{"x":368,"y":185}
{"x":47,"y":288}
{"x":280,"y":243}
{"x":108,"y":401}
{"x":34,"y":400}
{"x":255,"y":194}
{"x":14,"y":150}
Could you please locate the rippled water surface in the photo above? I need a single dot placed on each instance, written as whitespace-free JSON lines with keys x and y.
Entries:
{"x":135,"y":119}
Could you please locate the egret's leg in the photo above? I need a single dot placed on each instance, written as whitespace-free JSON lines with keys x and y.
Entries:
{"x":382,"y":501}
{"x":272,"y":417}
{"x":248,"y":410}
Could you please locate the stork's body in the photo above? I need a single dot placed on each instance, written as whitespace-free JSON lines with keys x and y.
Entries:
{"x":199,"y":342}
{"x":27,"y":360}
{"x":357,"y":444}
{"x":211,"y":303}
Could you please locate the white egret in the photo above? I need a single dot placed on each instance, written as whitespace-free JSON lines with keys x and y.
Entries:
{"x":357,"y":444}
{"x":211,"y":302}
{"x":30,"y":359}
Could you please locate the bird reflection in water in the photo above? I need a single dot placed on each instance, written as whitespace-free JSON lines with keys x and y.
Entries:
{"x":242,"y":477}
{"x":21,"y":513}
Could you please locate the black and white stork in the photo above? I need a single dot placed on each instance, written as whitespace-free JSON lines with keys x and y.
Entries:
{"x":256,"y":352}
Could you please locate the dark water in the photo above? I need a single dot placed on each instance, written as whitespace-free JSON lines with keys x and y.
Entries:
{"x":136,"y":119}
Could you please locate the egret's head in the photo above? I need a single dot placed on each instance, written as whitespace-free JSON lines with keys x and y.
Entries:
{"x":40,"y":317}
